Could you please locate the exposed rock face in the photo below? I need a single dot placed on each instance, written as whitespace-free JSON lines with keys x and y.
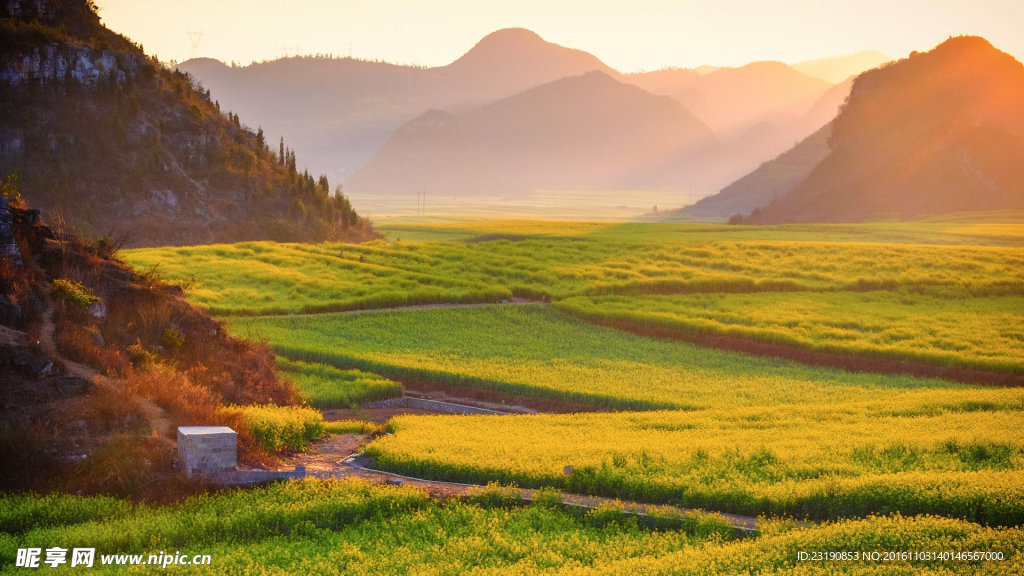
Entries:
{"x":59,"y":63}
{"x":8,"y":248}
{"x":31,"y":9}
{"x":33,"y":54}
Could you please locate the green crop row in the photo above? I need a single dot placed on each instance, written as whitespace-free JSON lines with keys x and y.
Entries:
{"x":326,"y":387}
{"x":256,"y":278}
{"x":985,"y":333}
{"x":953,"y":453}
{"x":838,"y":288}
{"x":354,"y":528}
{"x":535,"y":351}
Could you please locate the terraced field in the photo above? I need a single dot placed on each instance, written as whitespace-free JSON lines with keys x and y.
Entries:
{"x":956,"y":454}
{"x":942,"y":294}
{"x":535,"y":351}
{"x":706,"y":427}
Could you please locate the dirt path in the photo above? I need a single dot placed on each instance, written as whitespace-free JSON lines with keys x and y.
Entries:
{"x":153,"y":413}
{"x":509,"y":302}
{"x":338,"y":456}
{"x":48,"y":345}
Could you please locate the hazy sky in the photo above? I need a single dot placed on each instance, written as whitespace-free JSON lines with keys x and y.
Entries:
{"x":627,"y":35}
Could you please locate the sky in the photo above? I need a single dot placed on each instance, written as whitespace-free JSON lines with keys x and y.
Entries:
{"x":627,"y":35}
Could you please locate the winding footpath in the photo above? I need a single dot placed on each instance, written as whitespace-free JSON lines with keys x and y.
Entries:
{"x":339,"y":457}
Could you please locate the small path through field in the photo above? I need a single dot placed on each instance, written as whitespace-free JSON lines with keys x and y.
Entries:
{"x":338,"y":456}
{"x":509,"y":302}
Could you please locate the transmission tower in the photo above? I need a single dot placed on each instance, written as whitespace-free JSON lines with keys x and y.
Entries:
{"x":195,"y":38}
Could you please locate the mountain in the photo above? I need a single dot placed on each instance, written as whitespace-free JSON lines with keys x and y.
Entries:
{"x":509,"y":61}
{"x":70,"y":312}
{"x":93,"y":128}
{"x":758,"y":111}
{"x":588,"y":130}
{"x":731,"y":100}
{"x":775,"y":178}
{"x":825,"y":108}
{"x":839,"y":68}
{"x":934,"y":133}
{"x":768,"y":182}
{"x":337,"y":112}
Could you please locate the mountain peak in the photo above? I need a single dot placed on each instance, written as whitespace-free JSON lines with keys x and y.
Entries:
{"x":510,"y":36}
{"x":515,"y":59}
{"x":519,"y":48}
{"x":936,"y":132}
{"x":506,"y":44}
{"x":965,"y":43}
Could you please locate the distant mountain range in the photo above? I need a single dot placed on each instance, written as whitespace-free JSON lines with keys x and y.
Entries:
{"x":589,"y":129}
{"x":767,"y":183}
{"x":836,"y":69}
{"x":340,"y":113}
{"x":731,"y":100}
{"x":937,"y":132}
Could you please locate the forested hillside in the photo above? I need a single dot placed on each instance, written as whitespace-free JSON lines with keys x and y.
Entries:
{"x":93,"y":128}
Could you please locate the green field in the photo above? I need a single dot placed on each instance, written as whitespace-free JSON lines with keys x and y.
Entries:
{"x":326,"y":387}
{"x":535,"y":351}
{"x":314,"y":527}
{"x":710,"y":429}
{"x":946,"y":330}
{"x":942,"y":293}
{"x":747,"y":434}
{"x":951,"y":453}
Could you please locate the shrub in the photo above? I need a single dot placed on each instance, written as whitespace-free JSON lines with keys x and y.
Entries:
{"x":547,"y":497}
{"x":280,"y":427}
{"x":710,"y":525}
{"x":494,"y":495}
{"x":172,"y":339}
{"x":74,"y":292}
{"x":606,"y":513}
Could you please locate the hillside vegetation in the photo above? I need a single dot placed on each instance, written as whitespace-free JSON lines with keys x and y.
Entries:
{"x":100,"y":363}
{"x":98,"y":131}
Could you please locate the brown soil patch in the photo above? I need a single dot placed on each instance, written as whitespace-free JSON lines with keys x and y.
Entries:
{"x":848,"y":362}
{"x":490,"y":398}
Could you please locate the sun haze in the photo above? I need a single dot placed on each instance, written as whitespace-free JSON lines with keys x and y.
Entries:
{"x":642,"y":35}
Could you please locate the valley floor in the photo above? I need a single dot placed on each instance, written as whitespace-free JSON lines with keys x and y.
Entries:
{"x":559,"y":317}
